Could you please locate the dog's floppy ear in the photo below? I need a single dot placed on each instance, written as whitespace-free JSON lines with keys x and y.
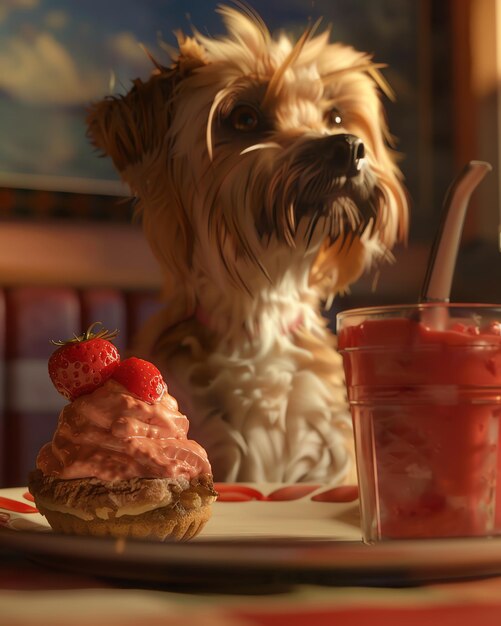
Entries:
{"x":126,"y":128}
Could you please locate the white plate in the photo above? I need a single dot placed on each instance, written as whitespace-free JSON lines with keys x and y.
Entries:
{"x":273,"y":534}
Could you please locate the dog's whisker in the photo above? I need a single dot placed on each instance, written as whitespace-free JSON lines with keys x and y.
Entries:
{"x":233,"y":274}
{"x":347,"y":242}
{"x":220,"y":96}
{"x":277,"y":223}
{"x":312,"y":228}
{"x":352,"y":214}
{"x":230,"y":268}
{"x":290,"y":231}
{"x":369,"y":229}
{"x":331,"y":221}
{"x":309,"y":230}
{"x":260,"y":146}
{"x":341,"y":223}
{"x":248,"y":251}
{"x":329,"y":301}
{"x":285,"y":225}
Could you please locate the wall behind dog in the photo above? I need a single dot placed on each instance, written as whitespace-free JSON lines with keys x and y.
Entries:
{"x":64,"y":217}
{"x":459,"y":89}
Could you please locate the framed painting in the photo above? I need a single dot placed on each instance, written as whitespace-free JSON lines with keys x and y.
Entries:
{"x":56,"y":57}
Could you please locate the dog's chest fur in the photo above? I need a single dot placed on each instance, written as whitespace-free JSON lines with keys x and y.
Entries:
{"x":268,"y":411}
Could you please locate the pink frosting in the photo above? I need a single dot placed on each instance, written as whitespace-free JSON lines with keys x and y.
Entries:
{"x":113,"y":435}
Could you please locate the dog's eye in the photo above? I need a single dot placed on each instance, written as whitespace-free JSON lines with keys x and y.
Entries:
{"x":244,"y":118}
{"x":333,"y":117}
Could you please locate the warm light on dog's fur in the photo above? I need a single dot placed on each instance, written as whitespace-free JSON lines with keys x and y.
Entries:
{"x":265,"y":184}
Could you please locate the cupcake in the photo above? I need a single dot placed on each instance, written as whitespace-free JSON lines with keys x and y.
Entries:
{"x":120,"y":462}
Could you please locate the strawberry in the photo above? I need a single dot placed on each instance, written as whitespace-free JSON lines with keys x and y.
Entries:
{"x":80,"y":365}
{"x":141,"y":378}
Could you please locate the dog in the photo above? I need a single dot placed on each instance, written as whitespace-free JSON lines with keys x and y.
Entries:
{"x":263,"y":173}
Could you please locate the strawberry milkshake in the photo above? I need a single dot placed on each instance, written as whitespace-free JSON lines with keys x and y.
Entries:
{"x":424,"y":386}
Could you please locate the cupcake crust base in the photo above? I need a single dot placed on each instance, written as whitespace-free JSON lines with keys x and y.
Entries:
{"x":137,"y":508}
{"x":160,"y":524}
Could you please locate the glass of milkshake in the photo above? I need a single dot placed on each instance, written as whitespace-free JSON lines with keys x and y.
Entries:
{"x":424,"y":387}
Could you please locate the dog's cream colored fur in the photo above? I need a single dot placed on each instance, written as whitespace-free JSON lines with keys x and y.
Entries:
{"x":242,"y":342}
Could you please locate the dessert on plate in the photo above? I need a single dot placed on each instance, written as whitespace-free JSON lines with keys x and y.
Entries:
{"x":120,"y":462}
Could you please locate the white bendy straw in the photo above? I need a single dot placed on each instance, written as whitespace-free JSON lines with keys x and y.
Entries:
{"x":442,"y":261}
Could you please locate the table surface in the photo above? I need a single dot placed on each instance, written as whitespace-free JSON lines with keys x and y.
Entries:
{"x":35,"y":593}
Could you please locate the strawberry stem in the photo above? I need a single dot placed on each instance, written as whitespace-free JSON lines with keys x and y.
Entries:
{"x":88,"y":335}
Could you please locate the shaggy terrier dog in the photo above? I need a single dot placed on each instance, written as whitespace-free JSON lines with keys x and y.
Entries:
{"x":262,"y":172}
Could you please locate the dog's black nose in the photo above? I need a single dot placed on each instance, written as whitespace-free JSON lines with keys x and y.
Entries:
{"x":345,"y":153}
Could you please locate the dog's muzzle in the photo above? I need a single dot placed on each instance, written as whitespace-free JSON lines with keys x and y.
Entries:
{"x":328,"y":168}
{"x":326,"y":177}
